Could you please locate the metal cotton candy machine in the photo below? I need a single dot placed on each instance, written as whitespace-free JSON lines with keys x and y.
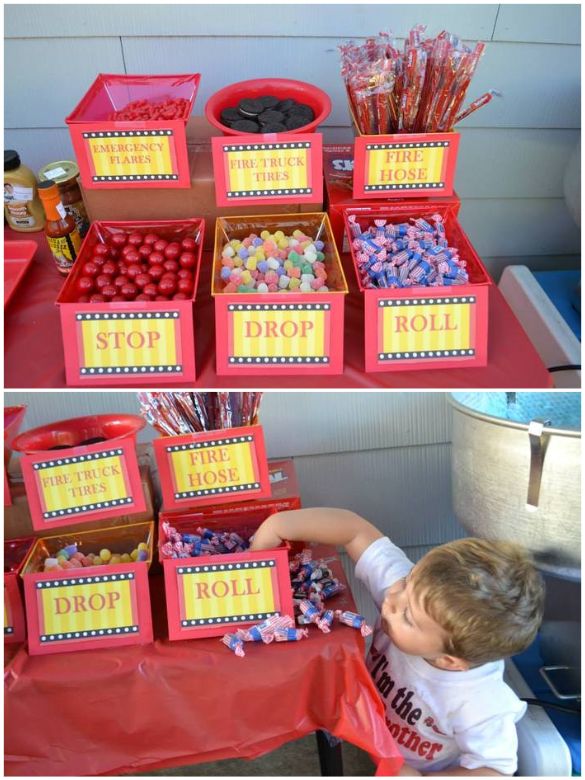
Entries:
{"x":516,"y":471}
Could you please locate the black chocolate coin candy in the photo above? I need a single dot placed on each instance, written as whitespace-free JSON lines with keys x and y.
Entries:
{"x":268,"y":101}
{"x":250,"y":108}
{"x":295,"y":121}
{"x":245,"y":126}
{"x":230,"y":115}
{"x":270,"y":117}
{"x":286,"y":105}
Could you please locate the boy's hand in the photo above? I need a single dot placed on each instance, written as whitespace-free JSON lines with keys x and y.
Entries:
{"x":265,"y":537}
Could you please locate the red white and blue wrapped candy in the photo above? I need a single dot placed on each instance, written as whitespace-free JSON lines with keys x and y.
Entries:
{"x":326,"y":621}
{"x":310,"y":611}
{"x":234,"y":643}
{"x":353,"y":620}
{"x":290,"y":634}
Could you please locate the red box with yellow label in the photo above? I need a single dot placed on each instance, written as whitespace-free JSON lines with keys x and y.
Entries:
{"x":213,"y":467}
{"x":211,"y":595}
{"x":122,"y":154}
{"x":69,"y":480}
{"x":94,"y":606}
{"x":279,"y":333}
{"x":124,"y":342}
{"x":15,"y":553}
{"x":425,"y":327}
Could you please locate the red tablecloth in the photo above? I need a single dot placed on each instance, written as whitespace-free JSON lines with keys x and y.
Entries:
{"x":169,"y":704}
{"x":33,"y":350}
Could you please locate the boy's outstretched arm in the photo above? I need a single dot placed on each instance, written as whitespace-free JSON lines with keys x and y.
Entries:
{"x":321,"y":525}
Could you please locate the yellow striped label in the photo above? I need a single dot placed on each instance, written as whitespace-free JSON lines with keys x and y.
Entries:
{"x":425,"y":328}
{"x":117,"y":154}
{"x":83,"y":608}
{"x":128,"y":342}
{"x":213,"y":467}
{"x":71,"y":485}
{"x":275,"y":167}
{"x":395,"y":166}
{"x":208,"y":595}
{"x":293,"y":333}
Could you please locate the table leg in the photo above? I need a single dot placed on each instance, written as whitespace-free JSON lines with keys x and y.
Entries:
{"x":330,"y":758}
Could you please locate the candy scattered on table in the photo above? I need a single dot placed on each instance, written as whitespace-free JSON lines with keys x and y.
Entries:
{"x":420,"y":89}
{"x":406,"y":255}
{"x":353,"y":620}
{"x":173,"y":414}
{"x":234,"y":643}
{"x":138,"y":266}
{"x":267,"y":114}
{"x":274,"y":262}
{"x":148,"y":110}
{"x":203,"y":542}
{"x":290,"y":634}
{"x":70,"y":557}
{"x":265,"y":631}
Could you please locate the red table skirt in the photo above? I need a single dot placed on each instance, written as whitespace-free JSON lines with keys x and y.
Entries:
{"x":169,"y":704}
{"x":34,"y":348}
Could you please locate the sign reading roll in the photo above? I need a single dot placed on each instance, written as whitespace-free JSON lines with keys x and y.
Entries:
{"x":213,"y":467}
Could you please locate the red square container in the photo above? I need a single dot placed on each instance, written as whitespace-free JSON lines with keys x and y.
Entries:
{"x":115,"y":154}
{"x":425,"y":327}
{"x":120,"y":343}
{"x":13,"y":417}
{"x":214,"y":467}
{"x":93,"y":606}
{"x":214,"y":594}
{"x":70,"y":480}
{"x":279,"y":333}
{"x":15,"y":553}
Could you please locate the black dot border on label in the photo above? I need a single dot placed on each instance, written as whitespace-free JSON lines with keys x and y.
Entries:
{"x":247,"y":618}
{"x":439,"y":301}
{"x":269,"y":193}
{"x":8,"y":630}
{"x":265,"y":360}
{"x":207,"y":568}
{"x":101,"y":370}
{"x":94,"y":633}
{"x":420,"y":145}
{"x":202,"y":445}
{"x":414,"y":145}
{"x":217,"y":491}
{"x":260,"y":147}
{"x":128,"y":315}
{"x":431,"y":354}
{"x":128,"y":133}
{"x":49,"y":464}
{"x":85,"y":580}
{"x":98,"y":506}
{"x":279,"y":307}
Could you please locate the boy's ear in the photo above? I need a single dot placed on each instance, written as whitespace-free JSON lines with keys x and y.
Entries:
{"x":451,"y":663}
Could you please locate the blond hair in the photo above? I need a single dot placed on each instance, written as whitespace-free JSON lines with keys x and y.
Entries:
{"x":487,"y":596}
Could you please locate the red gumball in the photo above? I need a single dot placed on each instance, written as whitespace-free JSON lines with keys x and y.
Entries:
{"x":150,"y":238}
{"x":173,"y":250}
{"x":171,"y":266}
{"x":156,"y":272}
{"x":85,"y":284}
{"x":160,"y":245}
{"x":96,"y":298}
{"x":142,"y":280}
{"x":145,"y":250}
{"x":135,"y":239}
{"x":187,"y":260}
{"x":180,"y":297}
{"x":128,"y":248}
{"x":134,"y":270}
{"x":129,"y":291}
{"x":110,"y":267}
{"x":185,"y":286}
{"x":161,"y":298}
{"x":183,"y":273}
{"x":143,"y":297}
{"x":102,"y":280}
{"x":120,"y":281}
{"x":132,"y":257}
{"x":108,"y":291}
{"x":98,"y":260}
{"x":167,"y":286}
{"x":83,"y":299}
{"x":119,"y":240}
{"x":118,"y":298}
{"x":150,"y":289}
{"x":156,"y":258}
{"x":101,"y":249}
{"x":90,"y":269}
{"x":189,"y":244}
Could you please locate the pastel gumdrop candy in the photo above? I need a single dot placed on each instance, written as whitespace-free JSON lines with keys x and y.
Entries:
{"x":262,"y":287}
{"x":225,"y":273}
{"x":142,"y":555}
{"x":134,"y":555}
{"x":228,"y":251}
{"x":51,"y":563}
{"x":105,"y":555}
{"x":283,"y":282}
{"x":116,"y":558}
{"x":305,"y":287}
{"x":125,"y":558}
{"x":294,"y":283}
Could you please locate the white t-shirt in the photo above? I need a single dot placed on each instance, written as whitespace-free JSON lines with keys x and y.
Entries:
{"x":439,"y":719}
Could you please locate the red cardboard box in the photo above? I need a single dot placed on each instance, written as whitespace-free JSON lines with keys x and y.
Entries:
{"x":291,"y":333}
{"x":13,"y":417}
{"x":90,"y":607}
{"x":15,"y":553}
{"x":214,"y":594}
{"x":69,"y":481}
{"x":425,"y":327}
{"x":114,"y":154}
{"x":212,"y":467}
{"x":338,"y":165}
{"x":118,"y":343}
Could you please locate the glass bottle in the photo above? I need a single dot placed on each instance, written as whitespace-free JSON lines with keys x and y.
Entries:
{"x":61,"y":231}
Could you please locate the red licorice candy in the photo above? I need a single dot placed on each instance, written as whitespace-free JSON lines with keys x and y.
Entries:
{"x":146,"y":110}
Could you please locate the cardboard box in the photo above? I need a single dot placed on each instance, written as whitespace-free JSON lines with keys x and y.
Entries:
{"x":425,"y":327}
{"x":338,"y":165}
{"x":292,"y":333}
{"x":15,"y":554}
{"x":153,"y":339}
{"x":212,"y":467}
{"x":115,"y":154}
{"x":212,"y":595}
{"x":93,"y":606}
{"x":198,"y":198}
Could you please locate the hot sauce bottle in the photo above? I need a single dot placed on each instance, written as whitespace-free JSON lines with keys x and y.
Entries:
{"x":61,"y":231}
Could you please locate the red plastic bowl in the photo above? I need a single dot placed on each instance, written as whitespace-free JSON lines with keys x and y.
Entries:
{"x":72,"y":433}
{"x":230,"y":96}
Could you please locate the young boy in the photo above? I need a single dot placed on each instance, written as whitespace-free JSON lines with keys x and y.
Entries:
{"x":445,"y":625}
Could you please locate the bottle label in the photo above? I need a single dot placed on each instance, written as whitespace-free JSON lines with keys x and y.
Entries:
{"x":65,"y":249}
{"x":61,"y":210}
{"x":18,"y":215}
{"x":55,"y":173}
{"x":15,"y":193}
{"x":77,"y":211}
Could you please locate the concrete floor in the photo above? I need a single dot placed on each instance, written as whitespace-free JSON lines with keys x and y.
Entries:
{"x":298,"y":758}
